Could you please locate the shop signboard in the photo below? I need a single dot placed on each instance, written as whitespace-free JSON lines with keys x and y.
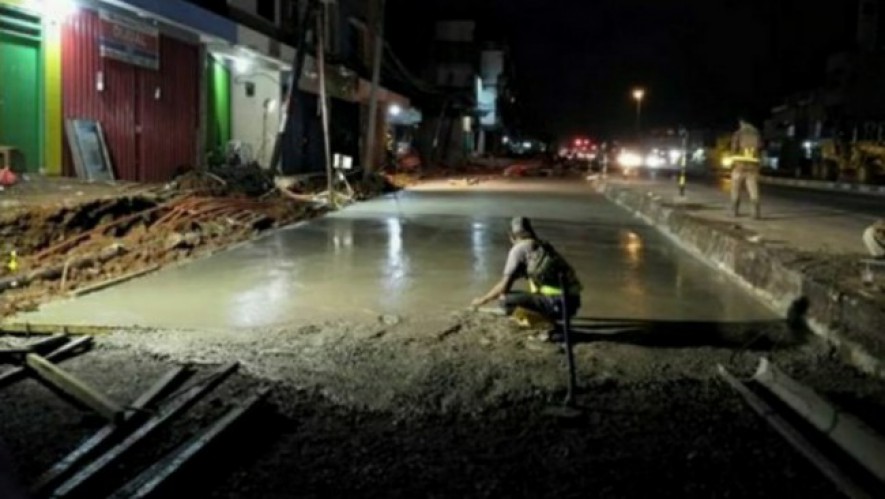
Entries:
{"x":129,"y":40}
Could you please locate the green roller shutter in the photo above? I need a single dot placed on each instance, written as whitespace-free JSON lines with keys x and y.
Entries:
{"x":20,"y":86}
{"x":218,"y":109}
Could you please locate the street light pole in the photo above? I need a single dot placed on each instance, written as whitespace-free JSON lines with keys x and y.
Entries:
{"x":683,"y":161}
{"x":639,"y":116}
{"x":638,"y":95}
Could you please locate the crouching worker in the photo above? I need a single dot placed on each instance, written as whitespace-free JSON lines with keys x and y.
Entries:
{"x":540,"y":264}
{"x":874,"y":239}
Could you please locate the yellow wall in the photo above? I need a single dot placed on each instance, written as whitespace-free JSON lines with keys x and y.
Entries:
{"x":52,"y":123}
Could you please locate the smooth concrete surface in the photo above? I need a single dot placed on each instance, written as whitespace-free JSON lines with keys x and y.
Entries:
{"x":429,"y":250}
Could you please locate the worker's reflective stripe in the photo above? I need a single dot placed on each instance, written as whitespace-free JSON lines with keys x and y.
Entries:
{"x":552,"y":290}
{"x":544,"y":290}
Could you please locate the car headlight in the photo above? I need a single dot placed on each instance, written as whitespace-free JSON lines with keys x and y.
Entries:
{"x":629,"y":159}
{"x":654,"y":161}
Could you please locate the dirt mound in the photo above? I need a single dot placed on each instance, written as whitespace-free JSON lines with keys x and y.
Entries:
{"x":30,"y":231}
{"x":63,"y":249}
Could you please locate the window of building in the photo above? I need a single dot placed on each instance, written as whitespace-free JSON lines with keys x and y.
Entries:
{"x":268,"y":10}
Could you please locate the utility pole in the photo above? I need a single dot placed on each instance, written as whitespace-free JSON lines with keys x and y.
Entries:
{"x":305,"y":20}
{"x":369,"y":159}
{"x":683,"y":161}
{"x":638,"y":95}
{"x":604,"y":150}
{"x":324,"y":102}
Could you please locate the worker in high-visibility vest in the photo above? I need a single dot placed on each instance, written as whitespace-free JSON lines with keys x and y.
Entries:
{"x":546,"y":272}
{"x":746,"y":143}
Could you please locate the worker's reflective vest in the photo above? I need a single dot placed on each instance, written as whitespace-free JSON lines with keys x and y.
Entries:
{"x":575,"y":288}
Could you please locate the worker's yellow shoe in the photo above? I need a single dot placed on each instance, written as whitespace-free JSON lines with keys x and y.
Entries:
{"x":530,"y":320}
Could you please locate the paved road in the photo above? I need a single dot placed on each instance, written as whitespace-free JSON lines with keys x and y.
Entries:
{"x":426,"y":250}
{"x":807,"y":220}
{"x":862,"y":204}
{"x":867,"y":205}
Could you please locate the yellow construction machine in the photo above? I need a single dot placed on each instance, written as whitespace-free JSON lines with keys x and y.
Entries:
{"x":862,"y":161}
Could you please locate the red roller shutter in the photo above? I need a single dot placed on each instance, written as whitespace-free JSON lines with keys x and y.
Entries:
{"x":147,"y":137}
{"x":168,"y":102}
{"x":114,"y":107}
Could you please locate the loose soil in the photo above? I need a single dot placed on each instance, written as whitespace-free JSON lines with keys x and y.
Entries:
{"x":59,"y":228}
{"x":455,"y":406}
{"x":451,"y":405}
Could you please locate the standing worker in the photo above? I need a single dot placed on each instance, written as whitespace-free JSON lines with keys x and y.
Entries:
{"x":745,"y":145}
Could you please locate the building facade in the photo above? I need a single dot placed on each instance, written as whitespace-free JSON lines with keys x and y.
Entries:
{"x":848,"y":106}
{"x":173,"y":84}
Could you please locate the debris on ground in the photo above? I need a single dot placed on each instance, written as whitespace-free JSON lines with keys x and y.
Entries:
{"x":464,"y":181}
{"x":424,"y":399}
{"x":133,"y":434}
{"x":477,"y":170}
{"x":62,"y":235}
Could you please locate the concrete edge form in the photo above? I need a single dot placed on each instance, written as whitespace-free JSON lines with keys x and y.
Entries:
{"x":844,"y":429}
{"x":851,"y":322}
{"x":794,"y":437}
{"x":825,"y":185}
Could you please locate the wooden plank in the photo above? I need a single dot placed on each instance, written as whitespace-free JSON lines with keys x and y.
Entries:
{"x":70,"y":349}
{"x":147,"y":483}
{"x":26,"y":329}
{"x":58,"y":379}
{"x":17,"y":355}
{"x":48,"y":344}
{"x":179,"y":405}
{"x":109,"y":433}
{"x":113,"y":282}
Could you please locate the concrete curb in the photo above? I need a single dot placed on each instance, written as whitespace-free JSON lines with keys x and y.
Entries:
{"x":854,"y":324}
{"x":822,"y":185}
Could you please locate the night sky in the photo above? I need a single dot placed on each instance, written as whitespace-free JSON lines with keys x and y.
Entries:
{"x":703,"y":62}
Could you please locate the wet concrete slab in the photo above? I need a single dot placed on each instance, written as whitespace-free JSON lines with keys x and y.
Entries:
{"x":424,"y":251}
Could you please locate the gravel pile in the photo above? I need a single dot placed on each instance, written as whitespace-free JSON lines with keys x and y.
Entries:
{"x":454,"y":406}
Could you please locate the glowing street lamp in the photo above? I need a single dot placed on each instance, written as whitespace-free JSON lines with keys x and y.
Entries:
{"x":638,"y":95}
{"x":54,"y":10}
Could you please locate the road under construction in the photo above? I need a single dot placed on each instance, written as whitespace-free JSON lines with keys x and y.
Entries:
{"x":355,"y":329}
{"x":423,"y":251}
